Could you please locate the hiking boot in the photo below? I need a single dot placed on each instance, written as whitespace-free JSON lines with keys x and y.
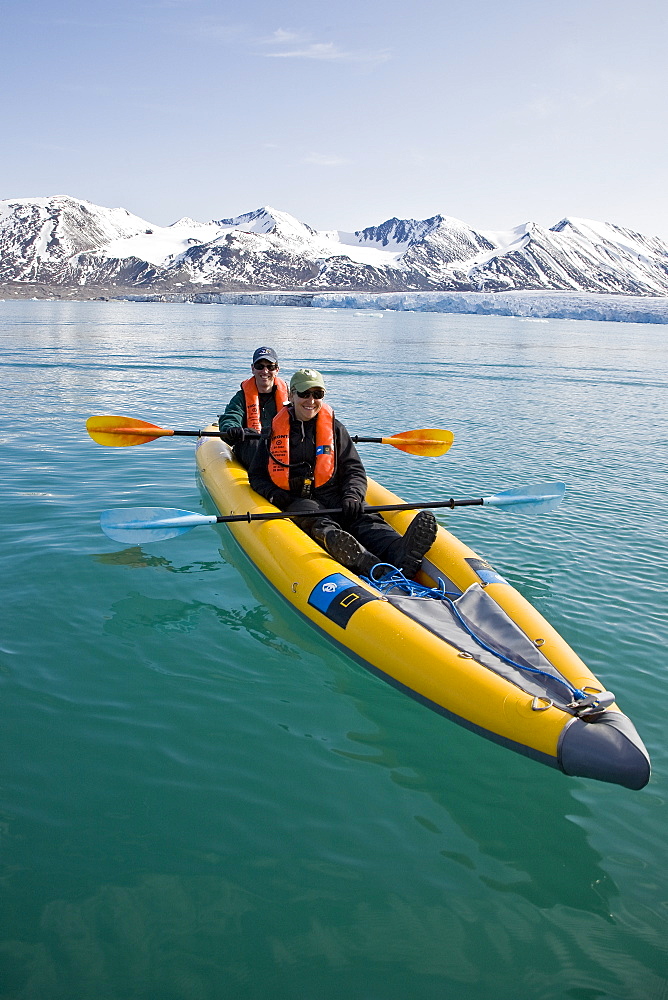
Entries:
{"x":345,"y":549}
{"x":417,"y":541}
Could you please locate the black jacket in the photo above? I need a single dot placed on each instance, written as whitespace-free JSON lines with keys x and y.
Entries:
{"x":235,"y":416}
{"x":349,"y":477}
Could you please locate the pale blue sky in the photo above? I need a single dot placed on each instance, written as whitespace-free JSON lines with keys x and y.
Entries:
{"x":496,"y":112}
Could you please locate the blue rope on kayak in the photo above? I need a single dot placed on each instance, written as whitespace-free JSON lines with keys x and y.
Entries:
{"x":394,"y":580}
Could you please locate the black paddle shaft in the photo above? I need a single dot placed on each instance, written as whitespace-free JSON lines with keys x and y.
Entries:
{"x":226,"y":518}
{"x":196,"y":434}
{"x":214,"y":434}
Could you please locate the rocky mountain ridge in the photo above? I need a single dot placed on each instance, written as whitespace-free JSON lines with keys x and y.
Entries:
{"x":69,"y":246}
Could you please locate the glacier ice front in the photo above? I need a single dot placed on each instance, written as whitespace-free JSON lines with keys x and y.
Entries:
{"x":534,"y":305}
{"x":525,"y":305}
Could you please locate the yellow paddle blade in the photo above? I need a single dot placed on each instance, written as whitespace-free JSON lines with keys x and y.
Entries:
{"x":120,"y":432}
{"x":429,"y":441}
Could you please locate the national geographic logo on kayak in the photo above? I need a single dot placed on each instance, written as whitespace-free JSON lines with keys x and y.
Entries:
{"x":338,"y":598}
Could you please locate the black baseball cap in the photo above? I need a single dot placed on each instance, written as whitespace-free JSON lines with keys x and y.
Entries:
{"x":265,"y":352}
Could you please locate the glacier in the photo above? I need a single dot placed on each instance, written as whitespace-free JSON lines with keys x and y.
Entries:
{"x":528,"y":305}
{"x":523,"y":305}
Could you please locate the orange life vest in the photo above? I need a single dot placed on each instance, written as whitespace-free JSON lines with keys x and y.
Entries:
{"x":325,"y":448}
{"x":252,"y":397}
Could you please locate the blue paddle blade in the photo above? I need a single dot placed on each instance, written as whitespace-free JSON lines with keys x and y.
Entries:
{"x":149,"y":524}
{"x":538,"y":499}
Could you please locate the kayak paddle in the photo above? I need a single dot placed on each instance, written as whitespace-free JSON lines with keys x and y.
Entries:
{"x":154,"y":524}
{"x":121,"y":432}
{"x":429,"y":441}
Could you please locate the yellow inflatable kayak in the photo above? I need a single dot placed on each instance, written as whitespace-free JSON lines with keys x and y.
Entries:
{"x":480,"y":654}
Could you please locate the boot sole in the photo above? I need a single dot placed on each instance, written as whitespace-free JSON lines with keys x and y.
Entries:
{"x":348,"y":551}
{"x":419,"y":538}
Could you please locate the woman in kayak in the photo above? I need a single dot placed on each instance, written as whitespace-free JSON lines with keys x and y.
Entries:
{"x":309,"y":462}
{"x":254,"y":406}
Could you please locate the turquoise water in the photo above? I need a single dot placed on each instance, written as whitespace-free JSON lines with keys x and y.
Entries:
{"x":200,"y":799}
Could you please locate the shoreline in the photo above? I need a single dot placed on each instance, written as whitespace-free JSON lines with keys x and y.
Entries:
{"x":537,"y":305}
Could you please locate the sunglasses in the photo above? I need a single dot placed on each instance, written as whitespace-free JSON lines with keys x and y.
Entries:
{"x":315,"y":393}
{"x":265,"y":366}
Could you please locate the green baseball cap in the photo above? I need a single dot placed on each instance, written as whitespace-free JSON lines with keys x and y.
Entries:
{"x":306,"y":378}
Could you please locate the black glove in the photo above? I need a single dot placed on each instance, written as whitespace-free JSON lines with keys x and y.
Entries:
{"x":352,"y":508}
{"x":233,"y":435}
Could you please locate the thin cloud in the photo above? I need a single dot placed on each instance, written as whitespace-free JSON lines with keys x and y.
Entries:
{"x":283,"y":37}
{"x":602,"y":89}
{"x":326,"y":160}
{"x":316,"y":50}
{"x":157,"y":4}
{"x":611,"y":86}
{"x":301,"y":47}
{"x":541,"y":107}
{"x":212,"y":30}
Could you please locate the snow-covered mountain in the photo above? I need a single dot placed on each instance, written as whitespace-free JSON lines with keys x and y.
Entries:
{"x":63,"y":241}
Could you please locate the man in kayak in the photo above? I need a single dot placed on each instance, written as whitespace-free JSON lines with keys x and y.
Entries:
{"x":310,"y":463}
{"x":254,"y":406}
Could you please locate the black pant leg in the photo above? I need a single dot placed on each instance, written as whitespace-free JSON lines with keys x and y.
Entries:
{"x":307,"y":523}
{"x":378,"y":537}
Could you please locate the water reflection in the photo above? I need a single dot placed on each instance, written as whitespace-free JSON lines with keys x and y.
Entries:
{"x":137,"y":612}
{"x":146,"y":940}
{"x":275,"y":931}
{"x":136,"y":558}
